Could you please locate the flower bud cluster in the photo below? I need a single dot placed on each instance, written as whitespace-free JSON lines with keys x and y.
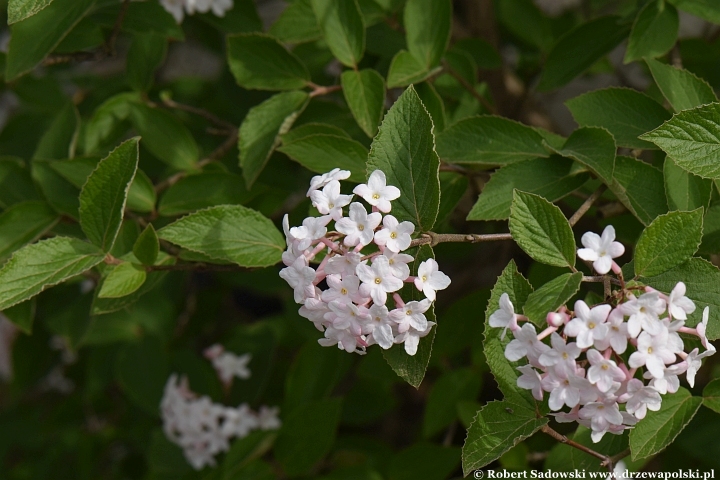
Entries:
{"x":203,"y":428}
{"x":362,"y":265}
{"x":602,"y":358}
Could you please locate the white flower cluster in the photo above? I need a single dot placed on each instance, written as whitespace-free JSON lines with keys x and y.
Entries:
{"x":203,"y":428}
{"x":227,"y":364}
{"x":351,"y":311}
{"x":178,"y":8}
{"x":589,"y":375}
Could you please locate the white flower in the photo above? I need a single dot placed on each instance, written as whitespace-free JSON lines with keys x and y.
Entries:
{"x":653,"y":352}
{"x":175,"y":8}
{"x":694,"y":362}
{"x":603,"y":372}
{"x":344,"y":264}
{"x":412,"y":315}
{"x":329,"y":201}
{"x":525,"y":344}
{"x":229,"y":365}
{"x":679,"y":306}
{"x":430,"y":279}
{"x":644,"y":313}
{"x":312,"y":229}
{"x":380,"y":327}
{"x":669,"y":381}
{"x":376,"y":192}
{"x":530,"y":380}
{"x":398,"y":263}
{"x":358,"y":225}
{"x":239,"y":421}
{"x":561,"y":355}
{"x":412,"y":337}
{"x":601,"y":250}
{"x":314,"y":309}
{"x":340,"y":337}
{"x":567,"y":388}
{"x":300,"y":277}
{"x":505,"y":316}
{"x":320,"y":181}
{"x":378,"y":280}
{"x":343,"y":289}
{"x":602,"y":416}
{"x":267,"y":418}
{"x":348,"y":316}
{"x":641,"y":398}
{"x":588,"y":324}
{"x":617,"y":334}
{"x":702,"y":329}
{"x":394,"y":235}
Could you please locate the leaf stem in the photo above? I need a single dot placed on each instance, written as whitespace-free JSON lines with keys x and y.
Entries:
{"x":606,"y":461}
{"x":586,"y":205}
{"x":321,"y":90}
{"x":600,"y":279}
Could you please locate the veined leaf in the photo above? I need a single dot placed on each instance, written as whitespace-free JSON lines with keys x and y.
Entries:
{"x":685,"y":191}
{"x":23,"y":223}
{"x":427,"y":26}
{"x":668,"y":241}
{"x":342,"y":25}
{"x":364,"y":92}
{"x":122,"y":280}
{"x":682,"y":89}
{"x":639,"y":186}
{"x":321,"y":153}
{"x":551,"y":296}
{"x":593,"y":147}
{"x":654,"y":31}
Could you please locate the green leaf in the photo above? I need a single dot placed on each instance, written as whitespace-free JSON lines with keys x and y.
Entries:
{"x":364,"y":92}
{"x":233,"y":233}
{"x":711,"y":395}
{"x":541,"y":230}
{"x":16,"y":184}
{"x":122,"y":280}
{"x":24,"y":223}
{"x":625,"y":113}
{"x":322,"y":152}
{"x":35,"y":267}
{"x":146,"y":247}
{"x":707,"y":9}
{"x":668,"y":241}
{"x":434,"y":105}
{"x":406,"y":69}
{"x":552,"y":178}
{"x":147,"y":52}
{"x":682,"y":89}
{"x":551,"y":296}
{"x":60,"y":139}
{"x":260,"y":131}
{"x":564,"y":458}
{"x":308,"y":129}
{"x":59,"y":193}
{"x":36,"y":36}
{"x":342,"y":25}
{"x":684,"y":190}
{"x":203,"y":190}
{"x":404,"y":149}
{"x":260,"y":62}
{"x":22,"y":315}
{"x":411,"y":368}
{"x":452,"y":187}
{"x":142,"y":369}
{"x":711,"y":231}
{"x":654,"y":32}
{"x":307,"y":435}
{"x":144,"y":17}
{"x":243,"y":17}
{"x":658,"y":429}
{"x":489,"y":140}
{"x":451,"y":388}
{"x":422,"y":460}
{"x":692,"y":139}
{"x":498,"y":427}
{"x":164,"y":136}
{"x":108,"y":123}
{"x":593,"y":147}
{"x":296,"y":24}
{"x":518,"y":289}
{"x":427,"y":29}
{"x":141,"y":196}
{"x":244,"y":450}
{"x":21,"y":9}
{"x":525,"y":20}
{"x":639,"y":187}
{"x":103,"y":198}
{"x":579,"y":49}
{"x":701,"y":279}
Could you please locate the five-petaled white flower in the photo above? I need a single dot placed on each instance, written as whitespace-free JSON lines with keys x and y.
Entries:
{"x":330,"y":201}
{"x":430,"y":279}
{"x":505,"y":316}
{"x":394,"y":235}
{"x":319,"y":181}
{"x":601,"y":249}
{"x":377,"y":193}
{"x":679,"y":306}
{"x":701,"y":329}
{"x":378,"y":280}
{"x":530,"y":380}
{"x":603,"y":372}
{"x":588,"y":324}
{"x":358,"y":226}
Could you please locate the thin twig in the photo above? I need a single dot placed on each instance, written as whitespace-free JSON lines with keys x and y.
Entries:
{"x":611,"y":461}
{"x":586,"y":205}
{"x":109,"y":46}
{"x":606,"y":461}
{"x":320,"y":90}
{"x":483,"y":101}
{"x":600,"y":279}
{"x":432,"y":238}
{"x":227,"y":126}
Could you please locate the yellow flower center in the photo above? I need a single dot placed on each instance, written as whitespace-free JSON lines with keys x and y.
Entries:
{"x":343,"y":291}
{"x":591,"y":325}
{"x":376,"y":196}
{"x":650,"y":350}
{"x":378,"y":281}
{"x":605,"y":366}
{"x":331,"y":205}
{"x":564,"y":355}
{"x":393,"y":235}
{"x":408,"y":312}
{"x":361,"y":227}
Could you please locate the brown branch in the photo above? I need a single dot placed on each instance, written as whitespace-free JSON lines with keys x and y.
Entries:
{"x":586,"y":205}
{"x":432,"y":238}
{"x":611,"y":461}
{"x":600,"y":279}
{"x":320,"y":90}
{"x":227,"y":126}
{"x":109,"y":46}
{"x":606,"y":461}
{"x":483,"y":101}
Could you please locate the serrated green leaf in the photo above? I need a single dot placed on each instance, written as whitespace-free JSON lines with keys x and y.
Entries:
{"x":452,"y":187}
{"x":15,"y":182}
{"x":701,"y":279}
{"x":658,"y":429}
{"x":639,"y":186}
{"x":103,"y":198}
{"x":22,"y":315}
{"x":260,"y":62}
{"x":141,"y":196}
{"x":684,"y":190}
{"x":668,"y":241}
{"x":451,"y":388}
{"x":406,"y":69}
{"x":625,"y":113}
{"x":321,"y":153}
{"x":164,"y":136}
{"x":107,"y":124}
{"x":36,"y":36}
{"x":122,"y":280}
{"x":207,"y":189}
{"x":228,"y":232}
{"x":342,"y":25}
{"x":593,"y":147}
{"x":541,"y":230}
{"x":60,"y":138}
{"x":524,"y":19}
{"x":146,"y":246}
{"x":707,"y":9}
{"x":35,"y":267}
{"x":21,"y":9}
{"x":146,"y":54}
{"x":682,"y":89}
{"x":498,"y":427}
{"x":692,"y":139}
{"x":551,"y":296}
{"x":552,"y":178}
{"x":404,"y":149}
{"x":260,"y":131}
{"x":24,"y":223}
{"x":427,"y":29}
{"x":296,"y":24}
{"x":308,"y":129}
{"x":579,"y":49}
{"x":654,"y":32}
{"x":711,"y":395}
{"x":434,"y":105}
{"x":711,"y":231}
{"x":489,"y":140}
{"x":59,"y":193}
{"x":364,"y":93}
